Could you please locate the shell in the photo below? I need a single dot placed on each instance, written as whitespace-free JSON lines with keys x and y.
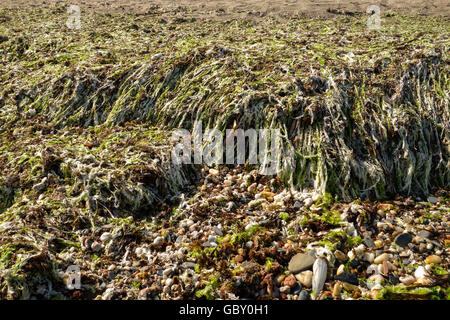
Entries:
{"x":319,"y":275}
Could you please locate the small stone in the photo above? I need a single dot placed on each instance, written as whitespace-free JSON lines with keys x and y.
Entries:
{"x":369,"y":242}
{"x":350,"y":287}
{"x":230,"y":205}
{"x":420,"y":272}
{"x":319,"y":274}
{"x":297,"y":205}
{"x":96,"y":246}
{"x":433,"y":259}
{"x":341,"y":269}
{"x":408,"y":280}
{"x":403,"y":239}
{"x":239,"y":258}
{"x":308,"y":202}
{"x":158,"y":240}
{"x":305,"y":278}
{"x":347,"y":277}
{"x":393,"y":279}
{"x":289,"y":281}
{"x":212,"y":239}
{"x":378,"y":243}
{"x":337,"y":290}
{"x":433,"y":200}
{"x":424,"y":234}
{"x":381,"y":258}
{"x":300,"y":262}
{"x":369,"y":257}
{"x":340,"y":255}
{"x":105,"y":237}
{"x":304,"y":295}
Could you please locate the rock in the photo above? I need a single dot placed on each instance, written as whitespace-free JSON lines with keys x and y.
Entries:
{"x":218,"y":231}
{"x":378,"y":243}
{"x":393,"y":279}
{"x":158,"y":240}
{"x":350,"y":287}
{"x":368,"y":242}
{"x":347,"y":277}
{"x":212,"y":239}
{"x":377,"y":279}
{"x":96,"y":246}
{"x":230,"y":206}
{"x":297,"y":205}
{"x":403,"y":239}
{"x":372,"y":269}
{"x":305,"y":278}
{"x":319,"y":274}
{"x":381,"y":258}
{"x":105,"y":237}
{"x":308,"y":202}
{"x":340,"y":255}
{"x":341,"y":269}
{"x":408,"y":280}
{"x":424,"y":234}
{"x":296,"y":289}
{"x":304,"y":295}
{"x":420,"y":272}
{"x":188,"y":265}
{"x":337,"y":290}
{"x":300,"y":262}
{"x":369,"y":257}
{"x":433,"y":200}
{"x":433,"y":259}
{"x":290,"y":281}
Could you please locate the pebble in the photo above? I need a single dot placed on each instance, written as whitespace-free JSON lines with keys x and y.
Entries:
{"x":305,"y":278}
{"x":369,"y":242}
{"x":300,"y":262}
{"x":369,"y":257}
{"x":308,"y":202}
{"x":212,"y":239}
{"x":96,"y":246}
{"x":218,"y":231}
{"x":347,"y":277}
{"x":319,"y":274}
{"x":403,"y":239}
{"x":337,"y":290}
{"x":341,"y":269}
{"x":433,"y":259}
{"x":408,"y":280}
{"x":304,"y":295}
{"x":297,"y":205}
{"x":393,"y":279}
{"x":433,"y":200}
{"x":158,"y":240}
{"x":105,"y":237}
{"x":289,"y":281}
{"x":424,"y":234}
{"x":381,"y":258}
{"x":340,"y":255}
{"x":420,"y":272}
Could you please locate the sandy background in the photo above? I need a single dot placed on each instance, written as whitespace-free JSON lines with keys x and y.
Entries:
{"x":249,"y":8}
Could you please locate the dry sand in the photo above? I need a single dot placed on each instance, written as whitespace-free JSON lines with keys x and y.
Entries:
{"x":226,"y":9}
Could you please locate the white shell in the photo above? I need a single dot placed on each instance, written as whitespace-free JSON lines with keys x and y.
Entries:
{"x":319,"y":275}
